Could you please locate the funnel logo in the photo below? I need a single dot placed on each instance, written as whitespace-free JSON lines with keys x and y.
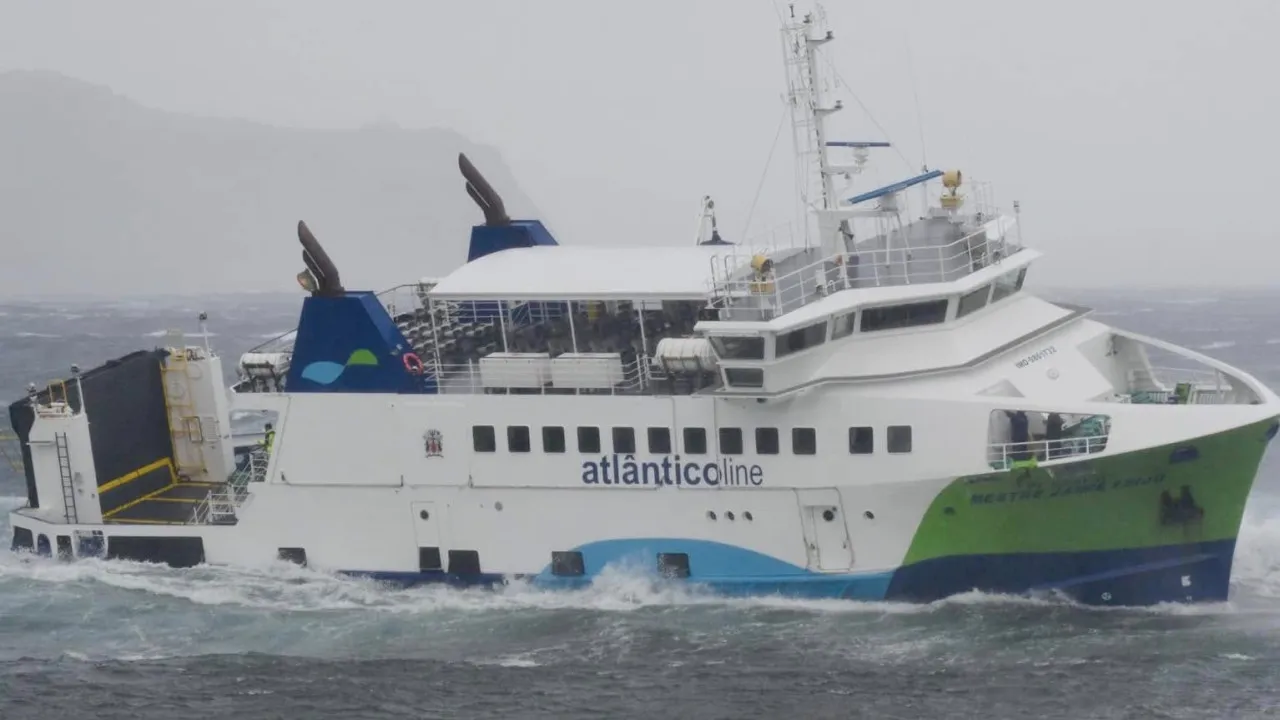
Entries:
{"x":325,"y":372}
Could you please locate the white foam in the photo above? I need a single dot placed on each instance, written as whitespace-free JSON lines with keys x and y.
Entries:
{"x":1218,"y":345}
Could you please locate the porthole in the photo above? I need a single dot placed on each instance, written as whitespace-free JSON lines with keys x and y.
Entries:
{"x":729,"y":515}
{"x":869,"y":515}
{"x":424,"y":515}
{"x":747,"y":516}
{"x":828,"y":514}
{"x":711,"y":514}
{"x":498,"y":506}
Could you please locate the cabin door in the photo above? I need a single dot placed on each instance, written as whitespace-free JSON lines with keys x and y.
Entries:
{"x":426,"y":530}
{"x":826,"y":534}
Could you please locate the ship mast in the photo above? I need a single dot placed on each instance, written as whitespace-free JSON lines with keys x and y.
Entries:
{"x":801,"y":38}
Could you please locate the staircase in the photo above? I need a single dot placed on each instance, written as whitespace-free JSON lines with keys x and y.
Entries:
{"x":68,"y":486}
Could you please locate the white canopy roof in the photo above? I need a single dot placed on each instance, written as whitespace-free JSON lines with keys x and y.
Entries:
{"x":585,"y":273}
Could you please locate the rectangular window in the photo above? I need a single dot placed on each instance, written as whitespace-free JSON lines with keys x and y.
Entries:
{"x":588,"y":439}
{"x":744,"y":377}
{"x":738,"y":348}
{"x":730,"y":441}
{"x":862,"y":441}
{"x":843,"y":325}
{"x":518,"y":438}
{"x":899,"y":438}
{"x":1007,"y":284}
{"x":891,"y":317}
{"x":695,"y":441}
{"x":802,"y":339}
{"x":483,"y":438}
{"x":804,"y":441}
{"x":766,"y":441}
{"x":553,"y":439}
{"x":973,"y":301}
{"x":660,"y":441}
{"x":624,"y":440}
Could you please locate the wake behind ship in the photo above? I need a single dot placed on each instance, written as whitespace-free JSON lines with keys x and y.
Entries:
{"x":878,"y":410}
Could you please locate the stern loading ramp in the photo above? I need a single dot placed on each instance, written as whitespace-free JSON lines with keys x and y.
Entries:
{"x":133,"y":448}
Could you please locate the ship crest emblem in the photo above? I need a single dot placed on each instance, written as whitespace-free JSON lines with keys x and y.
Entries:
{"x":433,"y":442}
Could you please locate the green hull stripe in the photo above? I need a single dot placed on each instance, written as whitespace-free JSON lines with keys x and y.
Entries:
{"x":1107,"y":503}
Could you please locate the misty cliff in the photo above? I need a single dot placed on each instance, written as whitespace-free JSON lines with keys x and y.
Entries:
{"x":99,"y":194}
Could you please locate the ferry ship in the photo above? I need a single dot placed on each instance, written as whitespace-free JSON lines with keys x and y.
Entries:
{"x":877,"y":410}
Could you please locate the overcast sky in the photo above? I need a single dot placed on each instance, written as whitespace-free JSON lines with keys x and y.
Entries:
{"x":1140,"y":136}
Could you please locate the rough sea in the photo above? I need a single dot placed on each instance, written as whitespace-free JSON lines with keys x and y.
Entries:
{"x":121,"y":640}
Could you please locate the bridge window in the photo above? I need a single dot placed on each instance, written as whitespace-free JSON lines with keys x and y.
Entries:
{"x":518,"y":438}
{"x":588,"y":439}
{"x":660,"y":440}
{"x":695,"y":441}
{"x":744,"y":377}
{"x":553,"y":439}
{"x":891,"y":317}
{"x":1007,"y":284}
{"x":843,"y":326}
{"x":899,"y":438}
{"x":730,"y":441}
{"x":802,"y":339}
{"x":767,"y":441}
{"x":738,"y":348}
{"x":862,"y":440}
{"x":973,"y":301}
{"x":483,"y":439}
{"x":804,"y":441}
{"x":624,"y":440}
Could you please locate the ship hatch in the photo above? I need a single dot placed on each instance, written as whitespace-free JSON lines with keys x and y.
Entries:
{"x":826,"y":534}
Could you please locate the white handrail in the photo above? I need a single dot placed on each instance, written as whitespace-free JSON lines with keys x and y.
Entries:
{"x":1005,"y":455}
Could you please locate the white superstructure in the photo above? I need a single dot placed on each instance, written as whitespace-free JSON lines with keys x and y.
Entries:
{"x":878,"y":410}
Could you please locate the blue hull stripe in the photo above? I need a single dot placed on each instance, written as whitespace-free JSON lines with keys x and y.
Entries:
{"x":1194,"y":572}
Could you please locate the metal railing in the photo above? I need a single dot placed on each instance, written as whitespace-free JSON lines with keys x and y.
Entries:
{"x":1180,"y":386}
{"x":733,"y":281}
{"x":623,"y":379}
{"x":1003,"y":456}
{"x":219,"y":505}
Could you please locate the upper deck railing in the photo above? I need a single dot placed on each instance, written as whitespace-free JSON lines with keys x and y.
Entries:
{"x":751,"y":295}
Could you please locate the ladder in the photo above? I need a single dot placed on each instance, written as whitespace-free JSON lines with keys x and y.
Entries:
{"x":68,"y":486}
{"x":184,"y":424}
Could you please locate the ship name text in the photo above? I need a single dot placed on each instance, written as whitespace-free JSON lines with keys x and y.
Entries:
{"x":670,"y":470}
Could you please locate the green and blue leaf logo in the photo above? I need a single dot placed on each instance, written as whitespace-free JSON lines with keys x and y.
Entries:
{"x":327,"y":372}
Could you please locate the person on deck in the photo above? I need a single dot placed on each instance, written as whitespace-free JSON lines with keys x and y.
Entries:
{"x":268,"y":438}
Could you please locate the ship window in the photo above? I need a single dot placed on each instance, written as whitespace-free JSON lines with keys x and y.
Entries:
{"x":730,"y":441}
{"x":766,"y":441}
{"x":518,"y":438}
{"x":744,"y":377}
{"x":553,"y":439}
{"x":843,"y":325}
{"x":973,"y":301}
{"x":891,"y":317}
{"x":862,"y":440}
{"x":624,"y":440}
{"x":1007,"y":284}
{"x":483,"y":438}
{"x":588,"y":439}
{"x":660,"y":440}
{"x":695,"y":441}
{"x":804,"y":441}
{"x":899,"y":438}
{"x":802,"y":339}
{"x":738,"y":348}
